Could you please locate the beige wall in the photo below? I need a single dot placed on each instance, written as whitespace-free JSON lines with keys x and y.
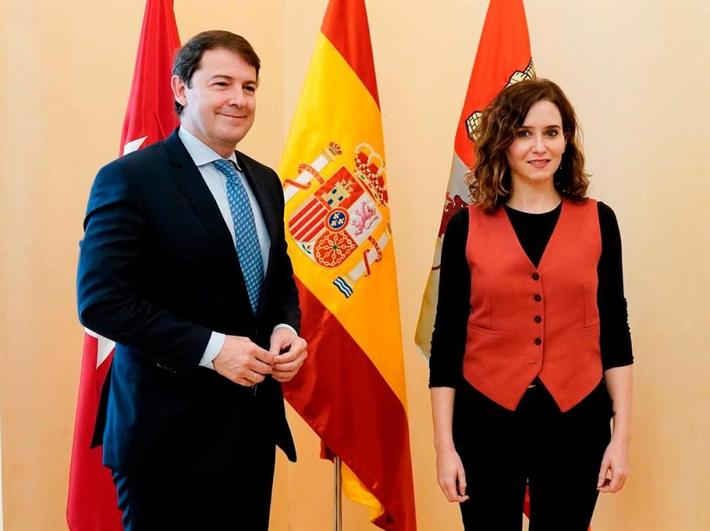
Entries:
{"x":637,"y":71}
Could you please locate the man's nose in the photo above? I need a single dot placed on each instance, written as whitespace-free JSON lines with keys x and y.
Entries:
{"x":237,"y":97}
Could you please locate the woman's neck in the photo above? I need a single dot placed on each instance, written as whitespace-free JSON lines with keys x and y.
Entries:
{"x":533,"y":199}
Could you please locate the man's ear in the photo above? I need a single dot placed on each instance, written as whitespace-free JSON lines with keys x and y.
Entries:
{"x":179,"y":88}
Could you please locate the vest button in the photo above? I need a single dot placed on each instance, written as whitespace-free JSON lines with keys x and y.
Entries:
{"x":535,"y":276}
{"x":538,"y":319}
{"x":537,"y":297}
{"x":538,"y":341}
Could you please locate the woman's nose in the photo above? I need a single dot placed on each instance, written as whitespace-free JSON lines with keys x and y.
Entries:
{"x":539,"y":145}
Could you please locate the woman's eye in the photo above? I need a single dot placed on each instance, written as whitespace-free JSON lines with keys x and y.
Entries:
{"x":553,"y":132}
{"x":522,"y":133}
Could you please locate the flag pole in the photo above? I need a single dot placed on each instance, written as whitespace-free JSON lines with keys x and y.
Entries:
{"x":338,"y":524}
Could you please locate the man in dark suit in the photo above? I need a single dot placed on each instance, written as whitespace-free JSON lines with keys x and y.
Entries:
{"x":184,"y":265}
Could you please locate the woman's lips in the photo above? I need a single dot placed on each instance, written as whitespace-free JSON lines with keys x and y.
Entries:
{"x":539,"y":163}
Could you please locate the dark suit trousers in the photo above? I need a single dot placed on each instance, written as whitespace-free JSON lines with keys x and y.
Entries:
{"x":558,"y":454}
{"x":235,"y":499}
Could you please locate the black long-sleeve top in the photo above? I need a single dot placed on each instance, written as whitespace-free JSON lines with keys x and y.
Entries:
{"x":533,"y":230}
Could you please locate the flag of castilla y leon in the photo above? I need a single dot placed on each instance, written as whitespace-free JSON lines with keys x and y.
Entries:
{"x":503,"y":58}
{"x":92,"y":503}
{"x":351,"y":390}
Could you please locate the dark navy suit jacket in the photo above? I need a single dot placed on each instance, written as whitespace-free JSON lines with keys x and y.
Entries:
{"x":158,"y":272}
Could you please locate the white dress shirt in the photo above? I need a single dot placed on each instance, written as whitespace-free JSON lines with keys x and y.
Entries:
{"x":203,"y":156}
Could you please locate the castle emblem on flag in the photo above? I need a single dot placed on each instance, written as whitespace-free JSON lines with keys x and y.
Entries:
{"x":519,"y":75}
{"x":342,"y":215}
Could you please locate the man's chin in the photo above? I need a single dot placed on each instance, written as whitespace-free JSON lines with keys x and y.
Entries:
{"x":234,"y":136}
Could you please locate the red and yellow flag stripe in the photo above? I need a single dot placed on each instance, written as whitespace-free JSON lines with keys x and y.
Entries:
{"x":352,"y":390}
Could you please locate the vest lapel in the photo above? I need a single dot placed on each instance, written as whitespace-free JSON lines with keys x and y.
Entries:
{"x":557,"y":233}
{"x":552,"y":242}
{"x":559,"y":238}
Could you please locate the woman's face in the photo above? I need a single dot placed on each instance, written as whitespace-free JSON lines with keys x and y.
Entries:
{"x":538,"y":145}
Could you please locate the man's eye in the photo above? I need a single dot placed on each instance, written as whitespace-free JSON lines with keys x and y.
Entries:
{"x":220,"y":84}
{"x":250,"y":88}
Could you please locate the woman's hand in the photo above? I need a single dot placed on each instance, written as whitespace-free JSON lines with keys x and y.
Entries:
{"x":450,"y":474}
{"x":449,"y":469}
{"x":614,"y":469}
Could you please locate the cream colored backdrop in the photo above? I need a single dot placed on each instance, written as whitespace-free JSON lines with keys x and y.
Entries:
{"x":637,"y":71}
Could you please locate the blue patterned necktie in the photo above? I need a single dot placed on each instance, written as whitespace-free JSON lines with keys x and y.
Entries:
{"x":247,"y":243}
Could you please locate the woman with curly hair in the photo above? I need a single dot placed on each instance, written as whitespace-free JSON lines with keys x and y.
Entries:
{"x":531,"y":352}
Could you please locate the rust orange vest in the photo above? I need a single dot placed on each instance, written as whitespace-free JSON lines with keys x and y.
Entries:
{"x":529,"y":322}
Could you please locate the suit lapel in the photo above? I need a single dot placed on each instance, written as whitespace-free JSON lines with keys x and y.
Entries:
{"x":261,"y":193}
{"x":190,"y":181}
{"x":261,"y":185}
{"x":193,"y":186}
{"x":266,"y":205}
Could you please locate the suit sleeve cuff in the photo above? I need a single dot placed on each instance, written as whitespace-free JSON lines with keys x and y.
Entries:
{"x":214,"y":345}
{"x":284,"y":325}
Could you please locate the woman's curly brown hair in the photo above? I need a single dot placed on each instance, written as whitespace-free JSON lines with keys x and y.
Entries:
{"x":489,"y":181}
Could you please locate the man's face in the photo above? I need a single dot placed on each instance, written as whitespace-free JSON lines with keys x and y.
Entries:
{"x":220,"y":103}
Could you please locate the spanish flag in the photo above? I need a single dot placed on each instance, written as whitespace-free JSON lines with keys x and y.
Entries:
{"x":352,"y":390}
{"x":503,"y":58}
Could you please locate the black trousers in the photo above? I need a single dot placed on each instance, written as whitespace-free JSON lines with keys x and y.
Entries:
{"x":235,"y":499}
{"x":557,"y":454}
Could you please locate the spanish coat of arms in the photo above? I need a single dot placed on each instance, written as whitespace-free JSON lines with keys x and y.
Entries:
{"x":341,"y":217}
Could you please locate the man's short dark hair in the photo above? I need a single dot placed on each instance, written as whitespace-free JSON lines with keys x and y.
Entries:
{"x":187,"y":60}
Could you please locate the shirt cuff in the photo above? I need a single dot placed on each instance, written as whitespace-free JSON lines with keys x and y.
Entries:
{"x":214,"y":345}
{"x":284,"y":325}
